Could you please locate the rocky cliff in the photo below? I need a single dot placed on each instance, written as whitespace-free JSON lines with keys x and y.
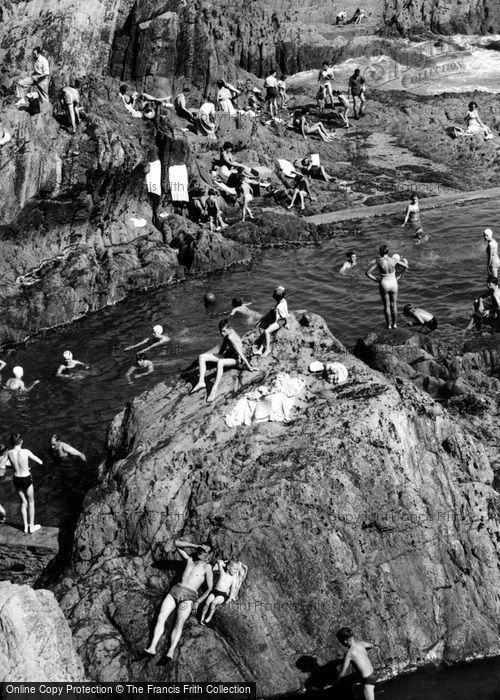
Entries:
{"x":373,"y":509}
{"x":35,"y":640}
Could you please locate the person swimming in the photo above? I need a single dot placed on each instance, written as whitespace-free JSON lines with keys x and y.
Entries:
{"x":142,"y":367}
{"x":62,"y":450}
{"x":413,"y":217}
{"x":388,"y":284}
{"x":69,"y":365}
{"x":349,"y":263}
{"x":158,"y":338}
{"x":16,"y":383}
{"x":241,"y":307}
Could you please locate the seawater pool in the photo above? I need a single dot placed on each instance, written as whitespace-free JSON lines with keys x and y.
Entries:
{"x":445,"y":275}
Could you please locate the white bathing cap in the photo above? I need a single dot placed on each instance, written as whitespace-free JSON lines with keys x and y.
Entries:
{"x":488,"y":232}
{"x":279,"y":290}
{"x":158,"y":329}
{"x":68,"y":355}
{"x":396,"y":256}
{"x":18,"y":372}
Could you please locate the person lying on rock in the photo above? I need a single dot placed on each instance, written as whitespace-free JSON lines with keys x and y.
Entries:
{"x":280,"y":319}
{"x":19,"y":457}
{"x":307,"y":167}
{"x":184,"y":596}
{"x":70,"y":364}
{"x":420,"y":318}
{"x":62,"y":450}
{"x":356,"y":654}
{"x":142,"y":367}
{"x":158,"y":338}
{"x":230,"y":354}
{"x":220,"y":594}
{"x":487,"y":306}
{"x":302,"y":126}
{"x":17,"y":384}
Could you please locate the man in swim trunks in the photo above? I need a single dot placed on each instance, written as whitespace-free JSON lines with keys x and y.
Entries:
{"x":230,"y":354}
{"x":141,"y":363}
{"x":357,"y":89}
{"x":23,"y":482}
{"x":184,"y":595}
{"x":420,"y":317}
{"x":62,"y":450}
{"x":357,"y":655}
{"x":271,"y":86}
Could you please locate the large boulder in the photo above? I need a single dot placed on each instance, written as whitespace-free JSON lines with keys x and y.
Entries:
{"x":373,"y":508}
{"x":35,"y":639}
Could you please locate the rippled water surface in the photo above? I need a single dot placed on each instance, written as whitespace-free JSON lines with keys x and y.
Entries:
{"x":445,"y":275}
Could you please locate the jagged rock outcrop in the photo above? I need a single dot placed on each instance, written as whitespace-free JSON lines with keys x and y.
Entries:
{"x":35,"y":639}
{"x":374,"y":508}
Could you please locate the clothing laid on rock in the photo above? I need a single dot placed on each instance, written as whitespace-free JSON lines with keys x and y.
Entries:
{"x":153,"y":177}
{"x":264,"y":404}
{"x":178,"y":181}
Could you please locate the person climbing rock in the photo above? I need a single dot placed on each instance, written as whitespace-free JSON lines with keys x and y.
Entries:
{"x":70,"y":100}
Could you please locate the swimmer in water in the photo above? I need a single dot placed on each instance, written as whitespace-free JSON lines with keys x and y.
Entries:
{"x":23,"y":481}
{"x":229,"y":354}
{"x":239,"y":307}
{"x":17,"y":384}
{"x":420,"y":317}
{"x":142,"y":367}
{"x":356,"y":654}
{"x":492,"y":259}
{"x":69,"y":364}
{"x":349,"y":263}
{"x":62,"y":450}
{"x":387,"y":282}
{"x":413,"y":217}
{"x":158,"y":338}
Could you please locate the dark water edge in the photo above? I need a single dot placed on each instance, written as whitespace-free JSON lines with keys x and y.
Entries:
{"x":476,"y":680}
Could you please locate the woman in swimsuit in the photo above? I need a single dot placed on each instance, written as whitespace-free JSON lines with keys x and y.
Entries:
{"x":388,"y":283}
{"x":413,"y":217}
{"x":474,"y":123}
{"x":492,"y":259}
{"x":306,"y":129}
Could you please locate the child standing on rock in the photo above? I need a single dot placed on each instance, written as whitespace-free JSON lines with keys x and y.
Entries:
{"x":280,"y":319}
{"x":356,"y":654}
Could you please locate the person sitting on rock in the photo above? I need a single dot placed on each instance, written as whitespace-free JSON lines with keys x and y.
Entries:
{"x":487,"y":306}
{"x":206,"y":120}
{"x":142,"y":367}
{"x":226,"y":587}
{"x":184,"y":596}
{"x":70,"y":100}
{"x":69,"y":365}
{"x":39,"y":80}
{"x":305,"y":128}
{"x":229,"y":354}
{"x":280,"y":320}
{"x":158,"y":338}
{"x":301,"y":188}
{"x":180,"y":106}
{"x":239,"y":307}
{"x":474,"y":124}
{"x":349,"y":263}
{"x":16,"y":383}
{"x":356,"y":654}
{"x":19,"y":457}
{"x":62,"y":450}
{"x":316,"y":171}
{"x":129,"y":101}
{"x":420,"y":318}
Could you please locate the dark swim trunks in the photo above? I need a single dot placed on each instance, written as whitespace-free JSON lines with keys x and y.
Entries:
{"x":22,"y":483}
{"x":432,"y":324}
{"x":271,"y":92}
{"x":182,"y":593}
{"x":369,"y":680}
{"x":222,"y":594}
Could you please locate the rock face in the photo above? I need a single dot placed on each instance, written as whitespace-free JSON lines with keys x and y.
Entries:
{"x":35,"y":640}
{"x":374,"y":508}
